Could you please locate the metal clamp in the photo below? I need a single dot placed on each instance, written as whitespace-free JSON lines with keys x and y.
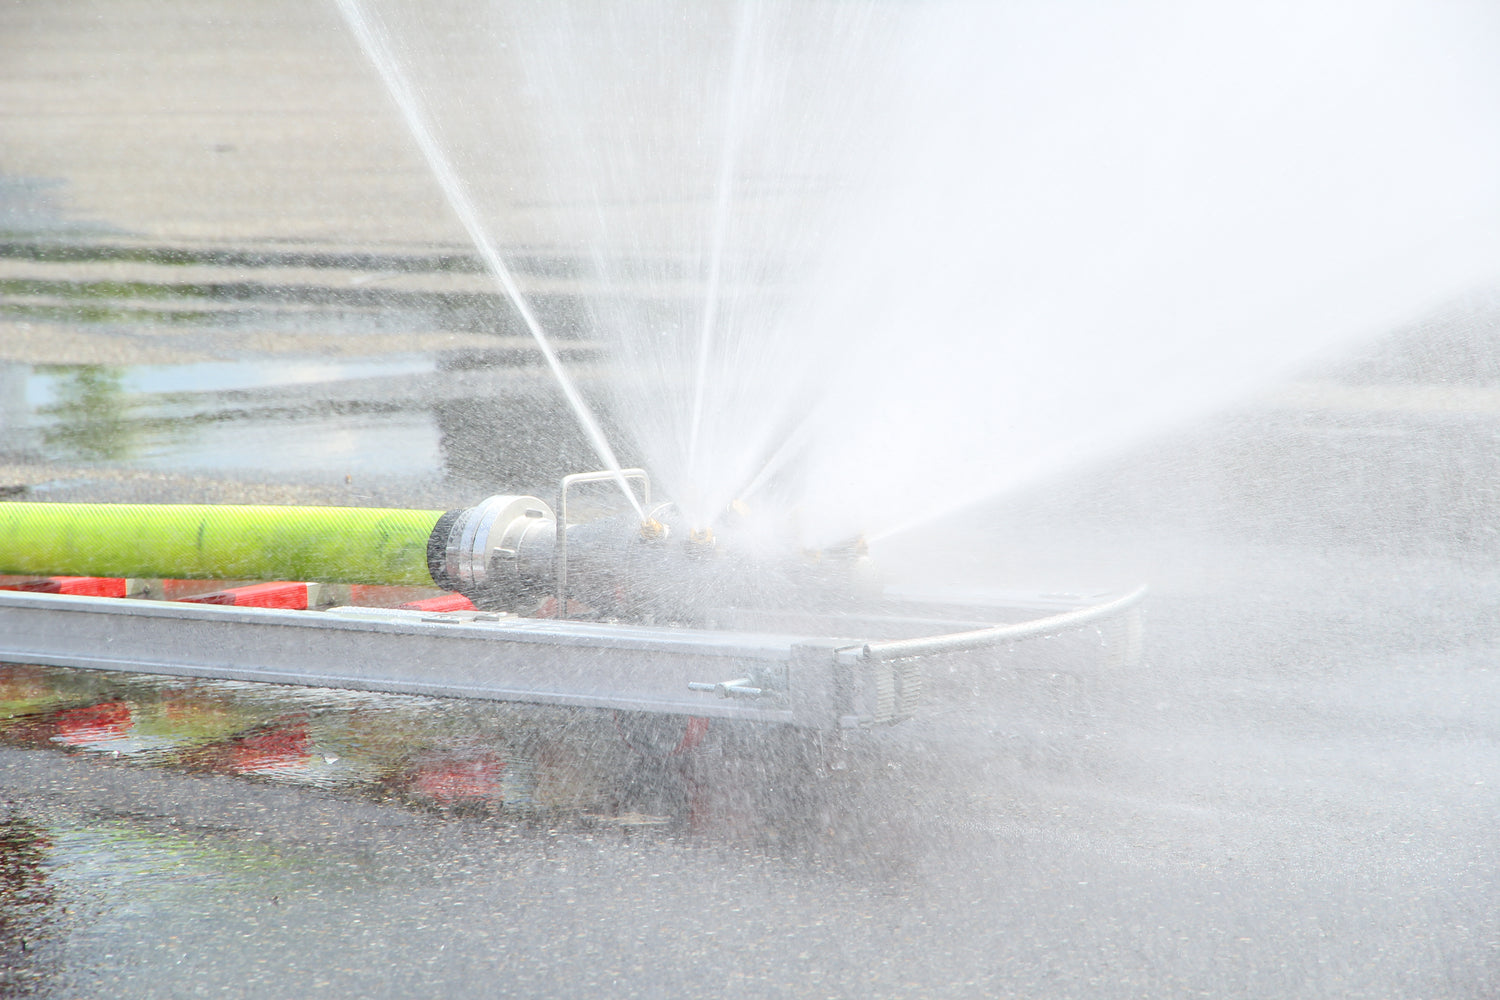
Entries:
{"x":737,"y":688}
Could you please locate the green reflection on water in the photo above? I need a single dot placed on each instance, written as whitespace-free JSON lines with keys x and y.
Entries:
{"x":91,"y":409}
{"x":113,"y":314}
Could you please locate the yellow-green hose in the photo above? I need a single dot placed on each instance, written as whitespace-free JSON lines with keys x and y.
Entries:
{"x":190,"y":541}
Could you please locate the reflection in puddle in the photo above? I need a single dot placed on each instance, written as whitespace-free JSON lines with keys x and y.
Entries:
{"x":316,"y":449}
{"x":522,"y":760}
{"x":227,"y":376}
{"x":105,"y":726}
{"x":481,"y":781}
{"x":221,"y":416}
{"x":878,"y":800}
{"x":86,"y":415}
{"x":526,"y":764}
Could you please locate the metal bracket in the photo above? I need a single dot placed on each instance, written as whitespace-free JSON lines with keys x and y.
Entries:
{"x":790,"y":677}
{"x":560,"y":554}
{"x":737,"y":688}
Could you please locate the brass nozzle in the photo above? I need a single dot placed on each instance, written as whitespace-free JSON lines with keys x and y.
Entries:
{"x":653,"y":530}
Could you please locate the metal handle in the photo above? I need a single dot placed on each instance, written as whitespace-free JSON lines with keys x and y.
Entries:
{"x":955,"y":642}
{"x":560,"y":554}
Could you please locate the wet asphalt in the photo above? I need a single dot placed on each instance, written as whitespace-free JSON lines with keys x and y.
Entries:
{"x":1292,"y":794}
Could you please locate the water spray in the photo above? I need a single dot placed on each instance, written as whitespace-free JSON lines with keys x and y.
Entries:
{"x":457,"y":195}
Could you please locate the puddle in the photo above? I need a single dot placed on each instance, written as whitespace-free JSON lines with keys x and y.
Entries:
{"x":45,"y":383}
{"x":323,"y":450}
{"x":521,"y":766}
{"x":222,"y":417}
{"x":519,"y":760}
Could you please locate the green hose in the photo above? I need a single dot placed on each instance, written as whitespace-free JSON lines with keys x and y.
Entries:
{"x":190,"y":541}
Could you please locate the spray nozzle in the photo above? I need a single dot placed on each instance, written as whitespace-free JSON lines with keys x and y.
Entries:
{"x":700,"y":541}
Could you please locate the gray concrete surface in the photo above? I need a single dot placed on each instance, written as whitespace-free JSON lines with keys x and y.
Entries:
{"x":214,"y":123}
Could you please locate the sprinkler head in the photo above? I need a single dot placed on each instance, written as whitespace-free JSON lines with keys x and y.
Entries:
{"x":857,"y":547}
{"x":509,"y":553}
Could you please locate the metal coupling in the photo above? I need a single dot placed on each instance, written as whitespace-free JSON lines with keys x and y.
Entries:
{"x":503,"y":544}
